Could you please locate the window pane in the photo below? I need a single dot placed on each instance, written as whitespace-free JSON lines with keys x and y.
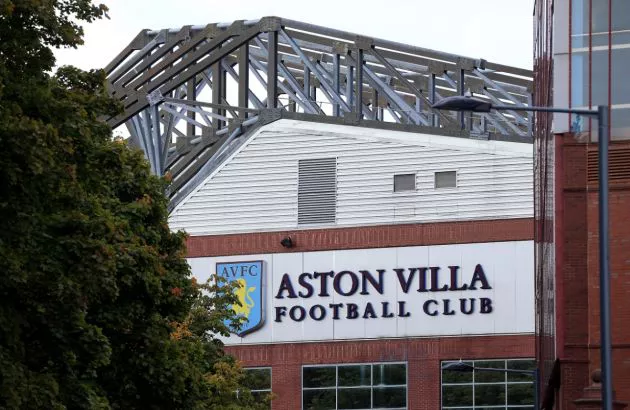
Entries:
{"x":355,"y":375}
{"x":319,"y":377}
{"x":620,"y":15}
{"x":457,"y":395}
{"x":489,"y":376}
{"x":521,"y":394}
{"x":354,"y":386}
{"x":599,"y":20}
{"x":620,"y":37}
{"x":621,"y":123}
{"x":599,"y":77}
{"x":318,"y":399}
{"x":621,"y":84}
{"x":452,"y":376}
{"x":257,"y":379}
{"x":447,"y":179}
{"x":489,"y":394}
{"x":404,"y":182}
{"x":579,"y":79}
{"x":261,"y":396}
{"x":580,"y":16}
{"x":491,"y":388}
{"x":579,"y":23}
{"x":390,"y":397}
{"x":390,"y":374}
{"x":520,"y":365}
{"x":354,"y":398}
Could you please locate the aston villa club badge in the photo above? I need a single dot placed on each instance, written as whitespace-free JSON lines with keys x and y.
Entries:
{"x":250,"y":277}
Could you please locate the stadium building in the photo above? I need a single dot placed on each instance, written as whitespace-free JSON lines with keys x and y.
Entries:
{"x":377,"y":241}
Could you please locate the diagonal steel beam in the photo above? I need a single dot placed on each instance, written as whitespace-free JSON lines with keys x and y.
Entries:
{"x":206,"y":115}
{"x":402,"y":106}
{"x":144,"y":68}
{"x":211,"y":105}
{"x":156,"y":136}
{"x":263,"y":67}
{"x":292,"y":67}
{"x":496,"y":86}
{"x":325,"y":76}
{"x":305,"y":60}
{"x":137,"y":43}
{"x":519,"y":118}
{"x":307,"y":104}
{"x":188,"y":68}
{"x":252,"y":97}
{"x":407,"y":84}
{"x":145,"y":51}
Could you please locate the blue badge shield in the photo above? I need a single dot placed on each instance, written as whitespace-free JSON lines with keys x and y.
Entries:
{"x":250,"y":277}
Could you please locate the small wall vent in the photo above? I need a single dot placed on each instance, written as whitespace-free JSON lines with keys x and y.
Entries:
{"x":446,"y":179}
{"x":404,"y":182}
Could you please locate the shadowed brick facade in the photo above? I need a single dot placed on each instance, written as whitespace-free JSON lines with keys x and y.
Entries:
{"x":577,"y":247}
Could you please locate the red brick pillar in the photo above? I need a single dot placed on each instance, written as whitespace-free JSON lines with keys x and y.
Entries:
{"x":287,"y":387}
{"x":592,"y":396}
{"x":423,"y":384}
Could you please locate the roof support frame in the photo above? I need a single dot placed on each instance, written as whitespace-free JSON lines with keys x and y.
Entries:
{"x":163,"y":79}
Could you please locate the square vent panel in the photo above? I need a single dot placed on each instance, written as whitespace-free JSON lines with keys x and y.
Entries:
{"x":446,"y":179}
{"x":404,"y":182}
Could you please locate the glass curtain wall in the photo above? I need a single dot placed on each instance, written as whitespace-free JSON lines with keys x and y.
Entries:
{"x":600,"y":61}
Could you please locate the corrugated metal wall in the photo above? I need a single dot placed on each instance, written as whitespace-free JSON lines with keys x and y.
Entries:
{"x":256,"y":190}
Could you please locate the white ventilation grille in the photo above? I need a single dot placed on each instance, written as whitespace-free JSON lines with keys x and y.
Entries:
{"x":317,"y":191}
{"x":446,"y":179}
{"x":404,"y":182}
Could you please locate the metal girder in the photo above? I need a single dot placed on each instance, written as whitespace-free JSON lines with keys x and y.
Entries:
{"x":175,"y":84}
{"x":272,"y":69}
{"x":304,"y":100}
{"x":243,"y":75}
{"x":250,"y":95}
{"x":411,"y":87}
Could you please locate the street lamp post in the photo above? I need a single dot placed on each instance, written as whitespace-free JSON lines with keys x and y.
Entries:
{"x":602,"y":113}
{"x":465,"y":367}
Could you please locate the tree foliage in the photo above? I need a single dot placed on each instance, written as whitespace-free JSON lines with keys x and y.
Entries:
{"x":97,"y":306}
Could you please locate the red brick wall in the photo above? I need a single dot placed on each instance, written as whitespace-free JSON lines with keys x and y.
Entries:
{"x":423,"y":357}
{"x":572,"y":284}
{"x":578,"y":279}
{"x":363,"y":237}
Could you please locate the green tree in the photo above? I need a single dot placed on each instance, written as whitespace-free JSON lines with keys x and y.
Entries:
{"x":97,"y":306}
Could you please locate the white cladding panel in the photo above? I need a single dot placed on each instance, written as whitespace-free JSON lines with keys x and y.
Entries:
{"x":508,"y":269}
{"x":256,"y":189}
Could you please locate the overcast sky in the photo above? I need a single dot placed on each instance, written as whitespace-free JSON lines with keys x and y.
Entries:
{"x":496,"y":30}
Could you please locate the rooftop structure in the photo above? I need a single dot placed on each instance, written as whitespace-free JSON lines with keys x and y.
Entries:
{"x":190,"y":93}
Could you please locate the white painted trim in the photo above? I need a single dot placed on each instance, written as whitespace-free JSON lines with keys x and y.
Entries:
{"x":405,"y":137}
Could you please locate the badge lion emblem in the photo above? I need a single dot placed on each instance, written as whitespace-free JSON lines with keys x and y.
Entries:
{"x":250,"y":279}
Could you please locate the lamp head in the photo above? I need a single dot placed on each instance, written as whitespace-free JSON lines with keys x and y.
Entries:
{"x":458,"y":367}
{"x":463,"y":103}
